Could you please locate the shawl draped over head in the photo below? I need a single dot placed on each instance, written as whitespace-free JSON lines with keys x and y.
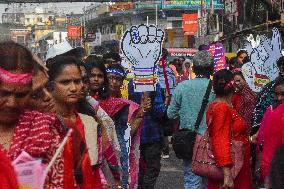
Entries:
{"x":112,"y":106}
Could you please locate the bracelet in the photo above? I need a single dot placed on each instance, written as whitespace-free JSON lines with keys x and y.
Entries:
{"x":250,"y":139}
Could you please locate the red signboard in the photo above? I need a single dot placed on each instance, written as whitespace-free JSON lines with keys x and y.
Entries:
{"x":74,"y":32}
{"x":190,"y":23}
{"x":121,"y":6}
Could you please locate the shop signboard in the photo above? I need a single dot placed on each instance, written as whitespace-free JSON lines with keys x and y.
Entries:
{"x":190,"y":23}
{"x":148,"y":5}
{"x":121,"y":6}
{"x":179,"y":52}
{"x":191,"y":4}
{"x":74,"y":32}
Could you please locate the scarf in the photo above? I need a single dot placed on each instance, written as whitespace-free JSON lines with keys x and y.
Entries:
{"x":112,"y":106}
{"x":78,"y":159}
{"x":247,"y":105}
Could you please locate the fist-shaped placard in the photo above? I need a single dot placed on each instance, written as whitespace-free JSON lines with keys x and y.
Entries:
{"x":142,"y":46}
{"x":263,"y":68}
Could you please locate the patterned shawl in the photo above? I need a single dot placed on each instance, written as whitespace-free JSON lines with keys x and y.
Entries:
{"x":247,"y":105}
{"x":112,"y":106}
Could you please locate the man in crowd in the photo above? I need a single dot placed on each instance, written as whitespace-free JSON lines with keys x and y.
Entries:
{"x":151,"y":136}
{"x":186,"y":103}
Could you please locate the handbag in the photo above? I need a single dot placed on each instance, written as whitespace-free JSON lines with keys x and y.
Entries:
{"x":203,"y":160}
{"x":183,"y":140}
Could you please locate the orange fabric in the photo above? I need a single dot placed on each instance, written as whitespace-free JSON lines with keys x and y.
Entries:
{"x":224,"y":120}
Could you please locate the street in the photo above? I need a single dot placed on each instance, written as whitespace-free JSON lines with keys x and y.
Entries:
{"x":171,"y":175}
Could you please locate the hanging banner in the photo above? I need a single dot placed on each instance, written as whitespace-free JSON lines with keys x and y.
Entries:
{"x":191,"y":4}
{"x":262,"y":67}
{"x":218,"y":53}
{"x":190,"y":23}
{"x":142,"y":46}
{"x":74,"y":32}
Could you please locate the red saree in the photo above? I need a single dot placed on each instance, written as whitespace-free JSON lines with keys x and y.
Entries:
{"x":224,"y":120}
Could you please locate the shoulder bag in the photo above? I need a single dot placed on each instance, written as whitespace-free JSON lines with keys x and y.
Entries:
{"x":183,"y":140}
{"x":203,"y":160}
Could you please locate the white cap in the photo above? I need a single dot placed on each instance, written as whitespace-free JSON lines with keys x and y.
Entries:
{"x":187,"y":61}
{"x":58,"y":49}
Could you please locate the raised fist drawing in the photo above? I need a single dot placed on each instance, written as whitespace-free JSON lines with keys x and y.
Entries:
{"x":142,"y":45}
{"x":262,"y":68}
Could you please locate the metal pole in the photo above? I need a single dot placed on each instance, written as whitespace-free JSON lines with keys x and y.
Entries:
{"x":156,"y":14}
{"x":147,"y":21}
{"x":267,"y":20}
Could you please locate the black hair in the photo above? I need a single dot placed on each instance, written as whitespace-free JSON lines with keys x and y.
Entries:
{"x":119,"y":67}
{"x":239,"y":74}
{"x":59,"y":63}
{"x":16,"y":57}
{"x":276,"y":177}
{"x":99,"y":64}
{"x":241,"y":52}
{"x":280,"y":61}
{"x":279,"y":81}
{"x":165,"y":53}
{"x":202,"y":47}
{"x":205,"y":70}
{"x":91,"y":58}
{"x":112,"y":55}
{"x":38,"y":68}
{"x":221,"y":80}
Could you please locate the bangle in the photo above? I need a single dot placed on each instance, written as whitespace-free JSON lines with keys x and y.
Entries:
{"x":250,"y":139}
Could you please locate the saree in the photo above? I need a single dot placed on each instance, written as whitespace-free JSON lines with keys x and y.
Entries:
{"x":113,"y":106}
{"x":111,"y":151}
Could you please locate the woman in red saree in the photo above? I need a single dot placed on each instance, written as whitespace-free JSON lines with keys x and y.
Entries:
{"x":243,"y":98}
{"x":80,"y":157}
{"x":224,"y":124}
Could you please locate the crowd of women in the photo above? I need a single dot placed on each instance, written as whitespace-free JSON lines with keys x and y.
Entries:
{"x":69,"y":112}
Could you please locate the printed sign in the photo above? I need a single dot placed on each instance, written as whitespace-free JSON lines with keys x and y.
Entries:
{"x":142,"y":46}
{"x":217,"y":51}
{"x":262,"y":68}
{"x":30,"y":172}
{"x":74,"y":32}
{"x":190,"y":23}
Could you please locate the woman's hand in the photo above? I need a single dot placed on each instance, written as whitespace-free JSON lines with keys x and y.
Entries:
{"x":228,"y":179}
